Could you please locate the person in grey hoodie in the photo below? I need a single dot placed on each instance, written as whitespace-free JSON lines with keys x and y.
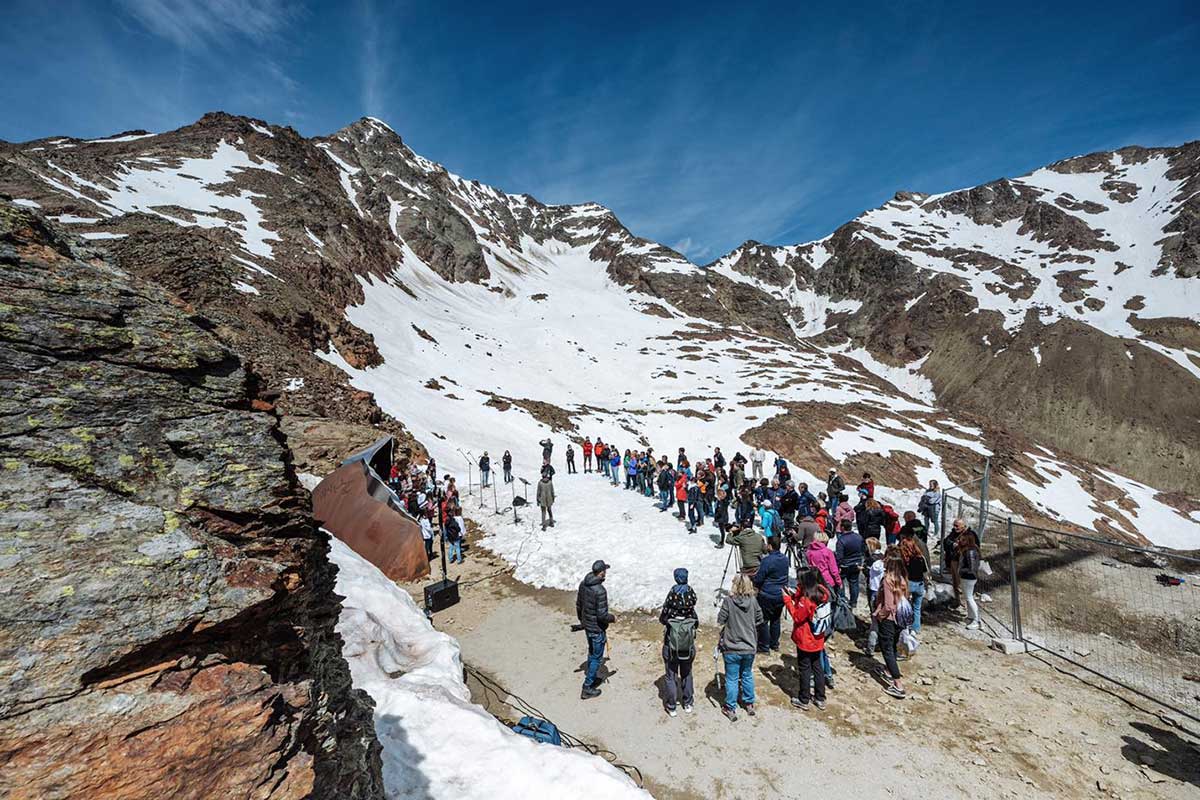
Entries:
{"x":545,"y":499}
{"x":739,"y":619}
{"x":930,"y":508}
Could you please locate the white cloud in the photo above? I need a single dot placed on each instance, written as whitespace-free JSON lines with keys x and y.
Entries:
{"x":193,"y":25}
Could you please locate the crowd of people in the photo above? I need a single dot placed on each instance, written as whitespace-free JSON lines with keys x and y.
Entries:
{"x":811,"y":555}
{"x":780,"y":530}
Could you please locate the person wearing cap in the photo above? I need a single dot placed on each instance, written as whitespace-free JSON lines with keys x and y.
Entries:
{"x":591,"y":608}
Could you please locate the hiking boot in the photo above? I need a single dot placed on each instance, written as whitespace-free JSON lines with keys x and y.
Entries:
{"x":687,"y":708}
{"x":973,"y":626}
{"x":729,"y":713}
{"x":800,"y":704}
{"x":750,"y":709}
{"x":820,"y":704}
{"x":588,"y":694}
{"x":672,"y":712}
{"x":895,"y":691}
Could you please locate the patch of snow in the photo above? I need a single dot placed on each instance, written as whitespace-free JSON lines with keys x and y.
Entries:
{"x":71,"y":219}
{"x":103,"y":235}
{"x":245,"y":288}
{"x":436,"y":742}
{"x":129,"y":137}
{"x":263,"y":130}
{"x":312,"y":237}
{"x":294,"y":385}
{"x":20,"y":201}
{"x":1037,"y":354}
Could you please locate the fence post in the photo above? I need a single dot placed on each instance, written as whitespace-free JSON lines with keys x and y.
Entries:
{"x":1014,"y":588}
{"x":983,"y":497}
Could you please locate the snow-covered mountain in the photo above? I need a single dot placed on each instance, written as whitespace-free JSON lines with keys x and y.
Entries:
{"x":1045,"y":321}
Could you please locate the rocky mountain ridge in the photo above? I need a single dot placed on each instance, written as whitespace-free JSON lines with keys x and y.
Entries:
{"x":994,"y":295}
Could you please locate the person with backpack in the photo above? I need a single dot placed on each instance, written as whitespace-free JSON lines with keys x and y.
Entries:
{"x":721,"y":515}
{"x":485,"y":470}
{"x":506,"y":463}
{"x":587,"y":454}
{"x":811,"y":616}
{"x":570,"y":459}
{"x":679,"y":621}
{"x":834,"y":486}
{"x":591,"y":609}
{"x":917,"y":568}
{"x":750,"y":545}
{"x":893,"y":613}
{"x":850,"y":552}
{"x":967,"y":545}
{"x":739,"y":619}
{"x":930,"y":509}
{"x":771,"y":580}
{"x":545,"y":500}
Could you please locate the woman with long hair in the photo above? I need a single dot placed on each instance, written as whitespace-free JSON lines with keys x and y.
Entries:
{"x":892,"y":592}
{"x":739,"y":619}
{"x":968,"y":571}
{"x":915,"y":567}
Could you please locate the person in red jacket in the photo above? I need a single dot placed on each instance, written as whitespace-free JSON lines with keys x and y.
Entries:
{"x":867,"y":485}
{"x":803,"y":606}
{"x":681,"y":487}
{"x":587,"y":454}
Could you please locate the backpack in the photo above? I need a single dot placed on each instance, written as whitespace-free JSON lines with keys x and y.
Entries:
{"x":540,"y":730}
{"x":843,"y":617}
{"x":681,"y":638}
{"x":821,"y":623}
{"x":891,"y":520}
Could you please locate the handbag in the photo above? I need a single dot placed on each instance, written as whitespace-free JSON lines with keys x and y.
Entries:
{"x":909,"y":640}
{"x":843,"y":617}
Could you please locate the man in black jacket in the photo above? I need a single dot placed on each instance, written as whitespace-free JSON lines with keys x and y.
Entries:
{"x":591,"y":607}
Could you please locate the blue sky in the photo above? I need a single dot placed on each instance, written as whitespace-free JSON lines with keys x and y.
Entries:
{"x":701,"y":125}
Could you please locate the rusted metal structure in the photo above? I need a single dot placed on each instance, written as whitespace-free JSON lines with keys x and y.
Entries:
{"x":355,"y":504}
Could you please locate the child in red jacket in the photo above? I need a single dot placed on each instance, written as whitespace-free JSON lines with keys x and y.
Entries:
{"x":811,"y":617}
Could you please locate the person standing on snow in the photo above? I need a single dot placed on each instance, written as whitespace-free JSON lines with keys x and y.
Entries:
{"x":930,"y":508}
{"x":757,"y":457}
{"x":614,"y":465}
{"x":721,"y":514}
{"x":547,"y":468}
{"x":506,"y":463}
{"x":591,"y":609}
{"x":545,"y":499}
{"x":681,"y":494}
{"x":695,"y":513}
{"x":547,"y":447}
{"x":718,"y":458}
{"x":834,"y":486}
{"x":679,"y":607}
{"x":666,"y":483}
{"x":485,"y":470}
{"x":587,"y":454}
{"x":570,"y":459}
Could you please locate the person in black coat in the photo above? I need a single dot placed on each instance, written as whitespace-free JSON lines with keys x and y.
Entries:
{"x":591,"y":608}
{"x":680,"y":604}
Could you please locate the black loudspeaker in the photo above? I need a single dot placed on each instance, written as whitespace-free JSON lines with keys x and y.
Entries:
{"x":441,"y":595}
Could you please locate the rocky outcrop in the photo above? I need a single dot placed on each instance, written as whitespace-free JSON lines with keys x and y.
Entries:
{"x":167,"y":602}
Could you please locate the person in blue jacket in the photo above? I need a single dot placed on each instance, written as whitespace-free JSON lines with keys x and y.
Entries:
{"x":614,"y":466}
{"x":771,"y":580}
{"x":769,"y":518}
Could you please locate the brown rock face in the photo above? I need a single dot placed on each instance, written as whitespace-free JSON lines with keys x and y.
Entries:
{"x":169,"y":609}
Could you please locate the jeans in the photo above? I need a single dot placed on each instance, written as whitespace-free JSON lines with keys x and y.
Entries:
{"x":570,"y":466}
{"x":757,"y":473}
{"x":630,"y":478}
{"x":664,"y":497}
{"x":456,"y":551}
{"x":968,"y":592}
{"x":604,"y":466}
{"x":615,"y":473}
{"x":833,"y":504}
{"x":933,"y":524}
{"x":889,"y":637}
{"x":811,"y":672}
{"x":508,"y":474}
{"x":768,"y":632}
{"x":679,"y":678}
{"x":917,"y":590}
{"x":596,"y":643}
{"x":587,"y":462}
{"x":695,"y":517}
{"x":851,"y":576}
{"x":739,"y":673}
{"x":483,"y":477}
{"x":429,"y":548}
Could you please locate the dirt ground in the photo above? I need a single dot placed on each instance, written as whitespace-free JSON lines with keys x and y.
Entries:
{"x":976,"y":724}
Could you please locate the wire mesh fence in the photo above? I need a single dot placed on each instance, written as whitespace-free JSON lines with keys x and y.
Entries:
{"x":1110,"y":607}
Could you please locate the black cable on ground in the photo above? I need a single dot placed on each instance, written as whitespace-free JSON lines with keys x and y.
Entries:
{"x":492,"y":689}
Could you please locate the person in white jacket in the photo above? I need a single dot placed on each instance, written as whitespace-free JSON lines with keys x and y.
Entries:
{"x":757,"y":457}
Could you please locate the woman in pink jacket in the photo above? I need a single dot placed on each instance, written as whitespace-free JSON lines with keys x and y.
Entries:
{"x":843,"y":511}
{"x":822,"y":559}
